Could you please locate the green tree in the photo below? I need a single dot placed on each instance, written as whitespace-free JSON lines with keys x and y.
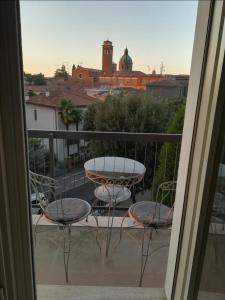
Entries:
{"x":39,"y":156}
{"x":89,"y":118}
{"x":36,"y":79}
{"x":39,"y":79}
{"x":61,"y":73}
{"x":169,"y":155}
{"x":136,"y":112}
{"x":69,"y":114}
{"x":28,"y":77}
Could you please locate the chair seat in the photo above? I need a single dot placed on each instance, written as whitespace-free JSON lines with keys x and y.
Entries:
{"x":67,"y":210}
{"x":112,"y":193}
{"x":149,"y":213}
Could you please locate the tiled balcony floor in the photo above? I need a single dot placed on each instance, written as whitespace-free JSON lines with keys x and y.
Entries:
{"x":87,"y":266}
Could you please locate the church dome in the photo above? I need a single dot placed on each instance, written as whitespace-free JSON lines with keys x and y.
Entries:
{"x":125,"y":64}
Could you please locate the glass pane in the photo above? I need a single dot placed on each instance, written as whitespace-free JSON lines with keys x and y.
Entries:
{"x":112,"y":192}
{"x":212,"y":285}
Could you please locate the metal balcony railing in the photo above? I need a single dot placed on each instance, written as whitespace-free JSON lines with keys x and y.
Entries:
{"x":62,"y":154}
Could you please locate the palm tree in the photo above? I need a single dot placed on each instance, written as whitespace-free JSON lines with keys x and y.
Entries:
{"x":77,"y":113}
{"x":69,"y":114}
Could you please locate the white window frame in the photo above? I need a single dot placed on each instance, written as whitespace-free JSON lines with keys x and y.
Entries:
{"x":197,"y":135}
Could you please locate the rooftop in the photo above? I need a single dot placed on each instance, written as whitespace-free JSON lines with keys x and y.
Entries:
{"x":78,"y":99}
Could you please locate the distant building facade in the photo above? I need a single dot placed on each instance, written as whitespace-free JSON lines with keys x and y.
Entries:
{"x":184,"y":81}
{"x":85,"y":75}
{"x":109,"y":75}
{"x":169,"y":88}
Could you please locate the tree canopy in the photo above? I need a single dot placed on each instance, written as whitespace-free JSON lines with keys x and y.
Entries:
{"x":136,"y":112}
{"x":69,"y":113}
{"x":36,"y":79}
{"x":61,"y":72}
{"x":169,"y":155}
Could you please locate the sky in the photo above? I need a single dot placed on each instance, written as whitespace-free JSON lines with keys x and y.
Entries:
{"x":72,"y":32}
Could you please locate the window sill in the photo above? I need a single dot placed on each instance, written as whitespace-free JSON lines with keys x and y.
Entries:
{"x":68,"y":292}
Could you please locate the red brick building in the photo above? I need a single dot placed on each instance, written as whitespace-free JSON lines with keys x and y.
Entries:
{"x":109,"y":75}
{"x":85,"y":75}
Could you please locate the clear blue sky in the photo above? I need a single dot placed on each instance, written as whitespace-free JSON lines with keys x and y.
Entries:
{"x":56,"y":32}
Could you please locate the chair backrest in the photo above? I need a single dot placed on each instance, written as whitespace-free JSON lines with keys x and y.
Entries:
{"x":166,"y":192}
{"x":42,"y":188}
{"x":165,"y":196}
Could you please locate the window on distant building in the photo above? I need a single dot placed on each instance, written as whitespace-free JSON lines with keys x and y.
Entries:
{"x":35,"y":115}
{"x":80,"y":75}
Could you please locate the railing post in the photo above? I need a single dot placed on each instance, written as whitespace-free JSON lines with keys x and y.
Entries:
{"x":51,"y":154}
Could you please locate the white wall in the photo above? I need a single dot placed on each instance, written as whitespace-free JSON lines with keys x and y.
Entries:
{"x":46,"y":117}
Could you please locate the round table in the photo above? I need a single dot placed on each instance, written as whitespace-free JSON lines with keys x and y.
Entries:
{"x":114,"y":170}
{"x":113,"y":174}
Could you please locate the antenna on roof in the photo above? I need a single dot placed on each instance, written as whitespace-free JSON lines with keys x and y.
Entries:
{"x":162,"y":68}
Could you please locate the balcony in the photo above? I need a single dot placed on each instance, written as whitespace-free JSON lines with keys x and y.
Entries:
{"x":61,"y":155}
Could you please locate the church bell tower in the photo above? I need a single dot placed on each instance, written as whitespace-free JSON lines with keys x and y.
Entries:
{"x":107,"y":56}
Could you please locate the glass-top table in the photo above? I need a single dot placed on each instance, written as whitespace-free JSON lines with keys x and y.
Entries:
{"x":114,"y":170}
{"x":115,"y":176}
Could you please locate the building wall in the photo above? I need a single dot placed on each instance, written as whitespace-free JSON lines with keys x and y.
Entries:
{"x":40,"y":117}
{"x":138,"y":82}
{"x":82,"y":75}
{"x":184,"y":82}
{"x":165,"y":92}
{"x":45,"y":118}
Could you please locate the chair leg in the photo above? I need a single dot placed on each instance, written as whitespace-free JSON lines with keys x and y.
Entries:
{"x":109,"y":229}
{"x":121,"y":230}
{"x":67,"y":250}
{"x":145,"y":246}
{"x":97,"y":231}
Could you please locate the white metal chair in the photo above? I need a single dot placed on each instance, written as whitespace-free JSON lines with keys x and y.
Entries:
{"x":152,"y":215}
{"x":62,"y":211}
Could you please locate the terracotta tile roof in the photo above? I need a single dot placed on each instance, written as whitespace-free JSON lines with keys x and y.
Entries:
{"x":131,"y":74}
{"x":35,"y":88}
{"x":54,"y":99}
{"x":93,"y":70}
{"x":138,"y":73}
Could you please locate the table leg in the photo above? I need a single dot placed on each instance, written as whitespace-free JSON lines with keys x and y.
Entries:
{"x":109,"y":227}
